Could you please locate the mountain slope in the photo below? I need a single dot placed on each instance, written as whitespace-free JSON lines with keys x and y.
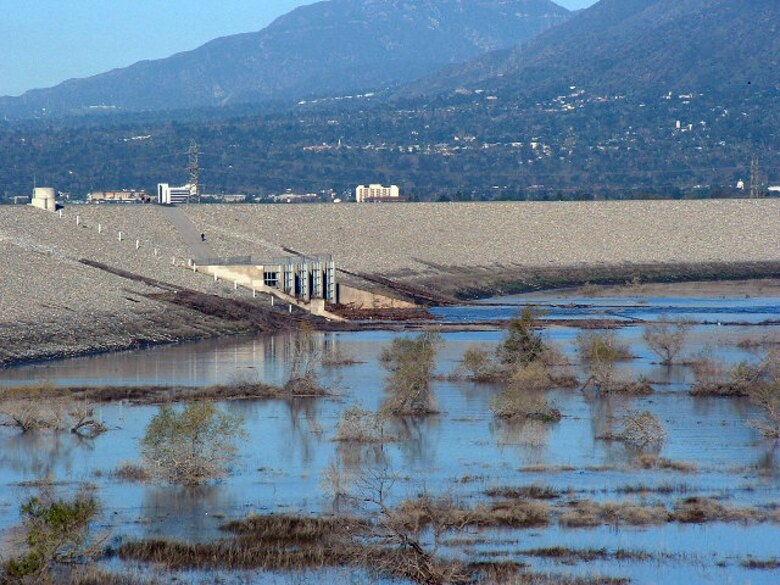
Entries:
{"x":325,"y":48}
{"x":639,"y":47}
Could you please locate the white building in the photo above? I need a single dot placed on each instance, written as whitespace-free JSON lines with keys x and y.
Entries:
{"x":44,"y":198}
{"x":774,"y":189}
{"x":376,"y":193}
{"x":167,"y":195}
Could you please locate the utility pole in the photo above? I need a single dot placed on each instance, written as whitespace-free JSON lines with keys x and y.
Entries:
{"x":756,"y":191}
{"x":194,"y":169}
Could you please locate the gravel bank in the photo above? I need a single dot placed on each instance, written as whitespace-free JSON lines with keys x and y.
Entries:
{"x":460,"y":246}
{"x":52,"y":305}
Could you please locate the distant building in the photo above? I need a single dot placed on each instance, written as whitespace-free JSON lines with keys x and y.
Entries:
{"x":372,"y":193}
{"x":774,"y":189}
{"x":123,"y":196}
{"x":290,"y":197}
{"x":167,"y":195}
{"x":44,"y":198}
{"x":228,"y":198}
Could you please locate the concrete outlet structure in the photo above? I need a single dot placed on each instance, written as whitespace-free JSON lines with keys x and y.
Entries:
{"x":44,"y":198}
{"x":304,"y":281}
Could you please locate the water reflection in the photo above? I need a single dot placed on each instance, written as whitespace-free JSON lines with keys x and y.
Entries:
{"x":190,"y":513}
{"x":529,"y":437}
{"x":41,"y":455}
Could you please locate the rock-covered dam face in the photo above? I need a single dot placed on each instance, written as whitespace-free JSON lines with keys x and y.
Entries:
{"x":53,"y":303}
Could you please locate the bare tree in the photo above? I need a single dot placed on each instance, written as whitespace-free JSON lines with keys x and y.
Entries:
{"x":764,"y":392}
{"x":641,"y":429}
{"x":410,"y":363}
{"x":666,"y":339}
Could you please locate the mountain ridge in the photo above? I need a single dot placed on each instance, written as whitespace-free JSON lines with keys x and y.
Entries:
{"x":336,"y":46}
{"x":637,"y":46}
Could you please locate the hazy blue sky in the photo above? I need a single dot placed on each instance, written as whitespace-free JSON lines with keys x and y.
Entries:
{"x":44,"y":42}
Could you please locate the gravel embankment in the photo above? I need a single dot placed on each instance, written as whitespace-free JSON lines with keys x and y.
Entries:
{"x":433,"y":244}
{"x":50,"y":304}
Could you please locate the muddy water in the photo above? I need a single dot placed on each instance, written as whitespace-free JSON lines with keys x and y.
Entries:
{"x":463,"y":450}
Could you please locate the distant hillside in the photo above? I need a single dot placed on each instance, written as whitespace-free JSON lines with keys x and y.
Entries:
{"x":331,"y":47}
{"x":639,"y":47}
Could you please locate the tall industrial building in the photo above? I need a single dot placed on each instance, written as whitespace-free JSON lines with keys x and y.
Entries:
{"x":167,"y":195}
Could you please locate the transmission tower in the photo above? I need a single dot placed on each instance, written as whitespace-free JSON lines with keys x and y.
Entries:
{"x":756,"y":190}
{"x":194,"y":170}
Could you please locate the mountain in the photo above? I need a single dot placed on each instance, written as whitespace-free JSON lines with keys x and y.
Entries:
{"x":332,"y":47}
{"x":638,"y":47}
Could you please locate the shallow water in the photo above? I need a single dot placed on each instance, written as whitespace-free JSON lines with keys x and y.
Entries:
{"x":463,"y":450}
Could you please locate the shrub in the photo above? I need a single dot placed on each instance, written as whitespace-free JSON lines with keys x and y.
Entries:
{"x":523,"y":344}
{"x":61,"y":414}
{"x":192,"y":445}
{"x":601,"y":346}
{"x":56,"y":532}
{"x":764,"y":392}
{"x":600,"y":351}
{"x":478,"y":365}
{"x":360,"y":425}
{"x":523,"y":397}
{"x":410,"y":363}
{"x":665,"y":339}
{"x":304,"y":359}
{"x":641,"y":429}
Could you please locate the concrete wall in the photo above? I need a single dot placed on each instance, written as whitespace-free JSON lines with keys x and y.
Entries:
{"x":363,"y":299}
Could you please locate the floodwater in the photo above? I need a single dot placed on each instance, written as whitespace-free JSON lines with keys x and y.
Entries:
{"x":463,"y":451}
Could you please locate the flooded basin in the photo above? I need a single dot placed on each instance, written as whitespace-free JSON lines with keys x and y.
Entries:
{"x":463,"y":452}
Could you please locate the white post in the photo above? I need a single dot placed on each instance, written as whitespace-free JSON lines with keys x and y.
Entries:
{"x":289,"y":307}
{"x":235,"y":285}
{"x":254,"y":294}
{"x":120,"y":236}
{"x":215,"y":277}
{"x":156,"y":252}
{"x":194,"y":267}
{"x":272,"y":300}
{"x":60,"y":213}
{"x":100,"y":228}
{"x":173,"y":260}
{"x":78,"y":220}
{"x":137,"y":244}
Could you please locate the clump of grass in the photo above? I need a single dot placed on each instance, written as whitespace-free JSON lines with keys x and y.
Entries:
{"x":532,"y":492}
{"x":415,"y":515}
{"x":132,"y":472}
{"x":698,"y":510}
{"x":588,"y":513}
{"x":765,"y":564}
{"x":653,"y":461}
{"x":568,"y":555}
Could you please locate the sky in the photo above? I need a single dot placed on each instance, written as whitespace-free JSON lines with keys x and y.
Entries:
{"x":45,"y":42}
